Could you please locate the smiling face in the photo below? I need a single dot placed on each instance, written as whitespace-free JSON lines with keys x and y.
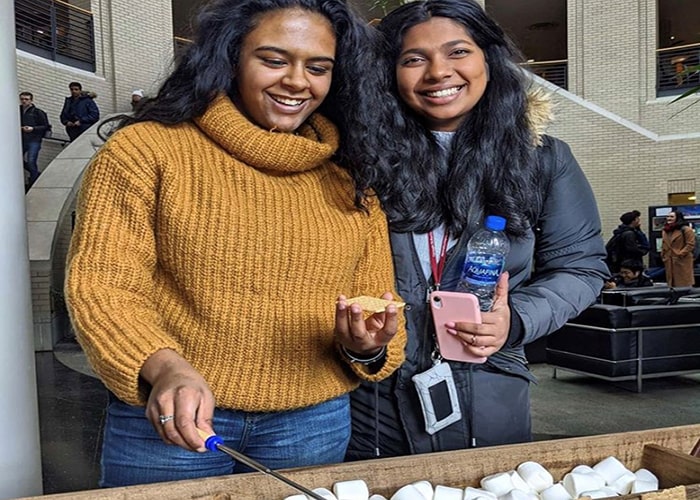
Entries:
{"x":441,"y":72}
{"x":671,"y":218}
{"x":628,"y":275}
{"x":285,"y":68}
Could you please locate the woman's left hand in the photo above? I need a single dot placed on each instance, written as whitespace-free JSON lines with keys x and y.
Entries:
{"x":488,"y":337}
{"x":365,"y":336}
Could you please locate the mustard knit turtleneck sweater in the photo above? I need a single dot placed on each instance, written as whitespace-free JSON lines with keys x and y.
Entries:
{"x":228,"y":244}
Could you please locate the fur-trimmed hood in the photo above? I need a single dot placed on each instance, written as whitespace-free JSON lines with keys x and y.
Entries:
{"x":539,"y":112}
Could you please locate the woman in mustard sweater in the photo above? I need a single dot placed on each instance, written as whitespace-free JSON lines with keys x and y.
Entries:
{"x":219,"y":231}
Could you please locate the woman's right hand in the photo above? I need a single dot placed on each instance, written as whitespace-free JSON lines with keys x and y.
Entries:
{"x":365,"y":336}
{"x":178,"y":390}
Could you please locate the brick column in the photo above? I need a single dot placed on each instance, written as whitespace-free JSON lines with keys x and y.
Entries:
{"x":20,"y":455}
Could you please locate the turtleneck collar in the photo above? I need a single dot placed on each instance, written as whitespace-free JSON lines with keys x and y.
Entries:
{"x":312,"y":144}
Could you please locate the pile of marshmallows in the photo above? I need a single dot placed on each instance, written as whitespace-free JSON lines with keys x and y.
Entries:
{"x":531,"y":481}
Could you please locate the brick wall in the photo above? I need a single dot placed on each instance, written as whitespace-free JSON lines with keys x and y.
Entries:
{"x":626,"y":169}
{"x":612,"y":59}
{"x":612,"y":64}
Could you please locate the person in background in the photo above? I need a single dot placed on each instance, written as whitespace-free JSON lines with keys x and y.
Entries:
{"x":79,"y":111}
{"x":677,"y":246}
{"x":136,"y":97}
{"x":34,"y":124}
{"x":628,"y":241}
{"x":642,"y":238}
{"x":631,"y":275}
{"x":464,"y":139}
{"x":219,"y":232}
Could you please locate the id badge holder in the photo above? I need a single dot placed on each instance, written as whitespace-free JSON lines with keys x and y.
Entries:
{"x":438,"y":397}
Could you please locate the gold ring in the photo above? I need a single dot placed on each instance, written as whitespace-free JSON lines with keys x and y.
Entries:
{"x":164,"y":419}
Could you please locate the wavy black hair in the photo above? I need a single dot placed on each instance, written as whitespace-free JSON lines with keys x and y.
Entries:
{"x":492,"y":167}
{"x":208,"y":68}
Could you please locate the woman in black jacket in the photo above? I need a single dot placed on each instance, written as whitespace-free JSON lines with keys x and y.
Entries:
{"x":467,"y":141}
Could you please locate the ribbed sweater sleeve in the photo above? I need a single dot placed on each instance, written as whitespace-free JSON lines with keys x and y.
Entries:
{"x":375,"y":266}
{"x":234,"y":265}
{"x":111,"y":268}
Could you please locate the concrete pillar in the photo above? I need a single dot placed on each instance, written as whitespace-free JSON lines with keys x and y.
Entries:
{"x":20,"y":455}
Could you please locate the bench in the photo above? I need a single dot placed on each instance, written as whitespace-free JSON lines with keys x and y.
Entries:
{"x":636,"y":341}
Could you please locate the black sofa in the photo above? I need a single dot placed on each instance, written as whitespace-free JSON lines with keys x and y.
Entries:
{"x":634,"y":335}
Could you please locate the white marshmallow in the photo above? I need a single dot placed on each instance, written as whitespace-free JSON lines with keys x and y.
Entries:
{"x":520,"y":495}
{"x":297,"y":497}
{"x":535,"y":475}
{"x":646,"y":475}
{"x":425,"y":488}
{"x":623,"y":483}
{"x":377,"y":497}
{"x":327,"y":494}
{"x":604,"y":492}
{"x":611,"y":469}
{"x":582,"y":469}
{"x":499,"y":484}
{"x":408,"y":492}
{"x":518,"y":482}
{"x":555,"y":492}
{"x":577,"y":482}
{"x":644,"y":486}
{"x":351,"y":490}
{"x":474,"y":493}
{"x":448,"y":493}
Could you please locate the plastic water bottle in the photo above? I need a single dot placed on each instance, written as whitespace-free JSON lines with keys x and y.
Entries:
{"x":486,"y":257}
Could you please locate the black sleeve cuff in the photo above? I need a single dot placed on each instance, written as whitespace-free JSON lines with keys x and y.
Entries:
{"x":516,"y":332}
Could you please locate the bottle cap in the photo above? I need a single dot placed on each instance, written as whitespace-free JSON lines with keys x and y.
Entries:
{"x":495,"y":223}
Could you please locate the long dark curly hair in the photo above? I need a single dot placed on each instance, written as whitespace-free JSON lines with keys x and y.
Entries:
{"x":208,"y":68}
{"x":492,"y":167}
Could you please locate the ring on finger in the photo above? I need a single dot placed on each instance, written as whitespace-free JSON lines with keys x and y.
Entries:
{"x":164,"y":419}
{"x":474,"y":340}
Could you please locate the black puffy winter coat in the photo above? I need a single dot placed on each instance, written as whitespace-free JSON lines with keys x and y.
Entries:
{"x":556,"y":271}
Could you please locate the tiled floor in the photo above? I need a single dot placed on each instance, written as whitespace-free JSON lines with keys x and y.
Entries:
{"x":71,"y":406}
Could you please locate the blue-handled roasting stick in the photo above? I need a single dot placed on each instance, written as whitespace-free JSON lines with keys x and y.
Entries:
{"x":216,"y":443}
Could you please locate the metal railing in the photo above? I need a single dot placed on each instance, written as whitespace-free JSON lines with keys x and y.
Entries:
{"x":555,"y":71}
{"x":672,"y":69}
{"x":180,"y":46}
{"x":56,"y":30}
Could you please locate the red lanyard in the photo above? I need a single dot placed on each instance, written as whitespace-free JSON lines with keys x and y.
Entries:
{"x":437,"y":266}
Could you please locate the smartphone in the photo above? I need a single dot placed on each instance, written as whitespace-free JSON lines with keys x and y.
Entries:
{"x":454,"y":306}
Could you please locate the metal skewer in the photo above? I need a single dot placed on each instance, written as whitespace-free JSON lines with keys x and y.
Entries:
{"x":214,"y":443}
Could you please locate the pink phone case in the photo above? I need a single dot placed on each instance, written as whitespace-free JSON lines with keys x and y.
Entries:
{"x":454,"y":306}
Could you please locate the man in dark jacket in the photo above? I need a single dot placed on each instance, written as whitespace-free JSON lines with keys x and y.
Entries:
{"x":34,"y":125}
{"x":79,"y":111}
{"x":628,"y":241}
